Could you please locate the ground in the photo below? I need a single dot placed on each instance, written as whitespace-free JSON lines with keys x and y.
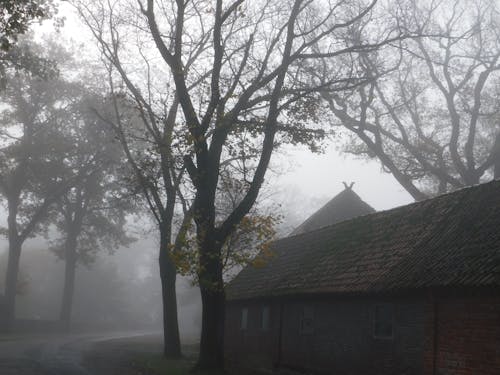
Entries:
{"x":75,"y":354}
{"x":141,"y":355}
{"x":131,"y":353}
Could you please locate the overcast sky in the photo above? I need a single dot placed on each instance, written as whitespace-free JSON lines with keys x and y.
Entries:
{"x":319,"y":176}
{"x":322,"y":176}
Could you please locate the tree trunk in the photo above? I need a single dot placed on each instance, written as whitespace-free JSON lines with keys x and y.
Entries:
{"x":496,"y":163}
{"x":212,"y":329}
{"x":11,"y":284}
{"x":69,"y":281}
{"x":213,"y":314}
{"x":168,"y":275}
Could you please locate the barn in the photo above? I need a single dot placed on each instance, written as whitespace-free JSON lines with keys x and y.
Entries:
{"x":412,"y":290}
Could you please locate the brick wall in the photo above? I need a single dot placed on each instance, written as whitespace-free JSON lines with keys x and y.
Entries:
{"x":468,"y":335}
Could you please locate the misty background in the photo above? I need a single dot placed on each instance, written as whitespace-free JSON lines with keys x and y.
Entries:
{"x":121,"y":289}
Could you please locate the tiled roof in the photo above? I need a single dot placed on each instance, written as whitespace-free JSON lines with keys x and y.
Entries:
{"x":450,"y":240}
{"x":345,"y":205}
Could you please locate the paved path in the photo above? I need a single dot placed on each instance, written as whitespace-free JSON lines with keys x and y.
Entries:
{"x":51,"y":354}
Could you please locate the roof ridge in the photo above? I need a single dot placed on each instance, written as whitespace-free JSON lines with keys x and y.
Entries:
{"x":389,"y":210}
{"x":451,"y":239}
{"x":343,"y":206}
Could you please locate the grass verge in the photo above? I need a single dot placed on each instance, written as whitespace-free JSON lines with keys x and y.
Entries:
{"x":156,"y":364}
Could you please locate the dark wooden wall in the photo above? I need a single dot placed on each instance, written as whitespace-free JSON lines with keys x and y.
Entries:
{"x":442,"y":333}
{"x":341,"y":342}
{"x":252,"y":347}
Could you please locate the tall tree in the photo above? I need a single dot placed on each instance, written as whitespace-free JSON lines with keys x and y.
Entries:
{"x":32,"y":163}
{"x":241,"y":67}
{"x":17,"y":17}
{"x":147,"y":138}
{"x":253,"y":70}
{"x":91,"y":215}
{"x":430,"y":114}
{"x":144,"y":120}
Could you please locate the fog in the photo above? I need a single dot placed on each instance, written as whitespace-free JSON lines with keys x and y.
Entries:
{"x":118,"y":291}
{"x":261,"y":184}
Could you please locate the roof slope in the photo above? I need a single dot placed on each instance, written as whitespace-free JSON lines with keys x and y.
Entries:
{"x":344,"y":206}
{"x":453,"y":239}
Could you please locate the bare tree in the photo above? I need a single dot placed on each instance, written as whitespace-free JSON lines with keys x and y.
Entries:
{"x":430,"y":113}
{"x":241,"y":67}
{"x":142,"y":111}
{"x":258,"y":56}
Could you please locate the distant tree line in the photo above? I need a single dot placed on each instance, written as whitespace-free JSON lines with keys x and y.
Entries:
{"x":430,"y":113}
{"x":59,"y":169}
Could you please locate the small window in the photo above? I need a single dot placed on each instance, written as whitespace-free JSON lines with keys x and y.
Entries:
{"x":383,"y":321}
{"x":244,"y":318}
{"x":265,"y":318}
{"x":307,"y":321}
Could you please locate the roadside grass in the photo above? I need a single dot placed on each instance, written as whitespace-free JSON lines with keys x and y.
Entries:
{"x":156,"y":364}
{"x":141,"y":355}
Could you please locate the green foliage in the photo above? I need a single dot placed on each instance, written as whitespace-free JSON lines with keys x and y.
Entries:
{"x":93,"y":212}
{"x":55,"y":148}
{"x":22,"y":57}
{"x":17,"y":16}
{"x":33,"y":152}
{"x":15,"y":20}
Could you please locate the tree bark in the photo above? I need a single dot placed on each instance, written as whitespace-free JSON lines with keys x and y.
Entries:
{"x":11,"y":284}
{"x":15,"y":246}
{"x":69,"y":281}
{"x":212,"y":333}
{"x":168,"y":275}
{"x":213,"y":301}
{"x":496,"y":163}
